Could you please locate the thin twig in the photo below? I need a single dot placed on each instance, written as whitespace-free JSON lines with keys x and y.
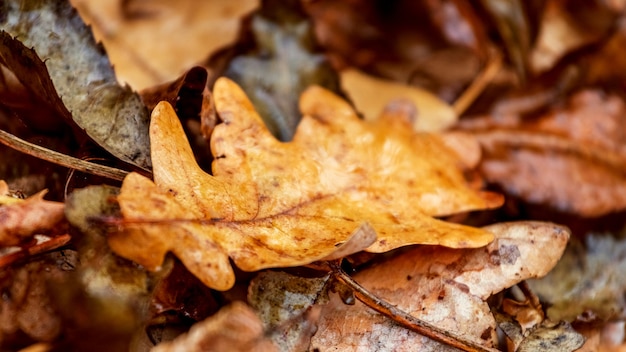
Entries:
{"x":52,"y":156}
{"x":408,"y":321}
{"x":43,"y":247}
{"x":478,"y":84}
{"x":530,"y":296}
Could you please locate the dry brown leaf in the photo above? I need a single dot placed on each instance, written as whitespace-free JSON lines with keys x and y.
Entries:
{"x":152,"y":42}
{"x":445,"y":287}
{"x":53,"y":54}
{"x":571,"y":158}
{"x":370,"y":96}
{"x":568,"y":26}
{"x":234,"y":328}
{"x":271,"y":204}
{"x":20,"y":219}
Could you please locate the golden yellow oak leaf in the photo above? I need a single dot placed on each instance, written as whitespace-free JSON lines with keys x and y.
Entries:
{"x":275,"y":204}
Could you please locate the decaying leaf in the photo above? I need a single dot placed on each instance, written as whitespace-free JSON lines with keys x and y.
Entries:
{"x":371,"y":95}
{"x":547,"y":337}
{"x":588,"y":281}
{"x":283,"y":63}
{"x":152,"y":42}
{"x":72,"y":76}
{"x":282,"y":300}
{"x":234,"y":328}
{"x":271,"y":204}
{"x":443,"y":286}
{"x":20,"y":219}
{"x":571,"y":158}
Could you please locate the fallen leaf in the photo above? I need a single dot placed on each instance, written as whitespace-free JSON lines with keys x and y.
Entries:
{"x":588,"y":281}
{"x":443,"y":286}
{"x":193,"y":102}
{"x":272,"y":204}
{"x":282,"y":300}
{"x":285,"y":61}
{"x":234,"y":328}
{"x":570,"y":158}
{"x":72,"y":76}
{"x":370,"y":96}
{"x":152,"y":42}
{"x":558,"y":338}
{"x":21,"y":219}
{"x":548,"y":336}
{"x":566,"y":27}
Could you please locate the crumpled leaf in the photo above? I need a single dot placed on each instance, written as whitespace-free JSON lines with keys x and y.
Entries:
{"x":370,"y":96}
{"x":152,"y":42}
{"x":20,"y":219}
{"x":571,"y":158}
{"x":443,"y":286}
{"x":71,"y":74}
{"x":234,"y":328}
{"x":271,"y":204}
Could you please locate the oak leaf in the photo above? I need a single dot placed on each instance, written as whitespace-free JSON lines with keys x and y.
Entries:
{"x":444,"y":287}
{"x":273,"y":204}
{"x":577,"y":147}
{"x":143,"y":38}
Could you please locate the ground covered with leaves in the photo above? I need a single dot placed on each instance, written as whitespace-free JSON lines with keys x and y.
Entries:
{"x":306,"y":175}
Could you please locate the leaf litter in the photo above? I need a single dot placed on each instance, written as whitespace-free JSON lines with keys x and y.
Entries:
{"x":571,"y":123}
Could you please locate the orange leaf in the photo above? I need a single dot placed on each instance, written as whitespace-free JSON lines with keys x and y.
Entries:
{"x":273,"y":204}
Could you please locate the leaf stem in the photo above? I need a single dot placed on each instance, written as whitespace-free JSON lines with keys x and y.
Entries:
{"x":402,"y":318}
{"x":52,"y":156}
{"x":531,"y":297}
{"x":46,"y":246}
{"x":479,"y":84}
